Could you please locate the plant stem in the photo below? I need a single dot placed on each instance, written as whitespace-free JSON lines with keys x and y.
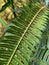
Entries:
{"x":13,"y":8}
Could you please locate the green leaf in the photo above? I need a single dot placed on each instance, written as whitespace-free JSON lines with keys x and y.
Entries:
{"x":18,"y":45}
{"x":3,"y":22}
{"x":46,"y":57}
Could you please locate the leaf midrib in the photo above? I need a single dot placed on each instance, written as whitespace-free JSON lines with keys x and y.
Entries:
{"x":24,"y":34}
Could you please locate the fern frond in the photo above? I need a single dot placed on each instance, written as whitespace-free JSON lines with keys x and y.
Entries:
{"x":22,"y":36}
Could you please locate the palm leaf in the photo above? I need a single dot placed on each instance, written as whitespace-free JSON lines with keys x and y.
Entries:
{"x":42,"y":52}
{"x":21,"y":37}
